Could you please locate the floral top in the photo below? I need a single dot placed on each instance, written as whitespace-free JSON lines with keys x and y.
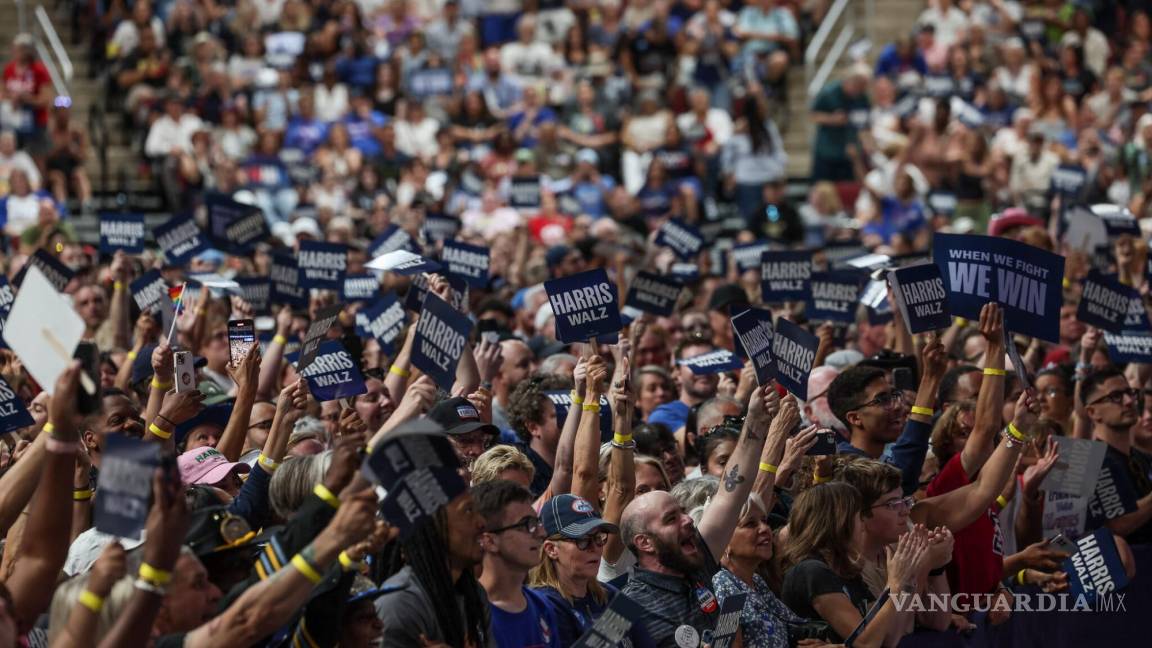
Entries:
{"x":765,"y":618}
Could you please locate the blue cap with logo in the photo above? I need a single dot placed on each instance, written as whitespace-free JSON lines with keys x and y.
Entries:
{"x":572,"y":516}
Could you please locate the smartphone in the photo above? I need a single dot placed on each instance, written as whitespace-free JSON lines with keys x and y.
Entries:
{"x":89,"y":356}
{"x":241,"y":337}
{"x":825,"y":444}
{"x":1061,"y":543}
{"x":489,"y":329}
{"x":903,"y":379}
{"x":185,"y":371}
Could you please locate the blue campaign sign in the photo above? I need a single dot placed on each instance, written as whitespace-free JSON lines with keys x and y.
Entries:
{"x":682,"y":238}
{"x":689,"y":272}
{"x":921,"y":297}
{"x":333,"y":374}
{"x":794,"y":350}
{"x":1026,"y":281}
{"x":1132,"y":346}
{"x":180,"y":239}
{"x":286,"y":288}
{"x":54,"y":271}
{"x":1114,"y":495}
{"x":122,"y":232}
{"x":525,"y":192}
{"x":359,"y":287}
{"x":562,"y":400}
{"x":834,"y":296}
{"x":234,"y":226}
{"x":717,"y":361}
{"x":430,"y":82}
{"x":420,"y":471}
{"x":613,"y":625}
{"x":1118,"y":221}
{"x":316,"y":335}
{"x":1096,"y":567}
{"x":257,"y":291}
{"x":1105,"y":303}
{"x":470,"y":262}
{"x":441,"y":336}
{"x":13,"y":414}
{"x":149,"y":291}
{"x":731,"y":607}
{"x":652,"y":293}
{"x":748,"y":256}
{"x":440,"y":227}
{"x":403,"y":263}
{"x":7,"y":298}
{"x":125,"y":486}
{"x":585,"y":305}
{"x":785,"y":276}
{"x":1068,"y":180}
{"x":414,"y":298}
{"x":392,"y":238}
{"x":322,"y":265}
{"x":384,"y":319}
{"x":754,"y":329}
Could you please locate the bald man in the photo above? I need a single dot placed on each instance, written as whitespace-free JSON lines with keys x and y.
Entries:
{"x":514,"y":369}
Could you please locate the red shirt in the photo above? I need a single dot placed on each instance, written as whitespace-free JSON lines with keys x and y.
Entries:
{"x":29,"y":80}
{"x":978,"y":553}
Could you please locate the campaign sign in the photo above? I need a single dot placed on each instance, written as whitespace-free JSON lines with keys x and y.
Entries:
{"x":1114,"y":495}
{"x":322,"y":265}
{"x":1096,"y":567}
{"x":1068,"y":180}
{"x":754,"y":329}
{"x":717,"y":361}
{"x":1105,"y":302}
{"x":122,"y":232}
{"x":785,"y":276}
{"x":149,"y":291}
{"x":1118,"y":221}
{"x":682,"y":238}
{"x":748,"y":256}
{"x":469,"y":262}
{"x":7,"y":297}
{"x":359,"y":287}
{"x":613,"y":625}
{"x":430,"y":82}
{"x":1026,"y":281}
{"x":652,"y":293}
{"x":1017,"y":362}
{"x":391,"y":239}
{"x":414,"y":298}
{"x":729,"y":622}
{"x":585,"y":305}
{"x":55,"y":272}
{"x":180,"y":239}
{"x":384,"y":319}
{"x":921,"y":297}
{"x":125,"y":492}
{"x":233,"y":226}
{"x":794,"y":350}
{"x":420,"y":471}
{"x":441,"y":335}
{"x":1129,"y":347}
{"x":689,"y":272}
{"x":13,"y":414}
{"x":562,"y":400}
{"x":440,"y":227}
{"x":333,"y":373}
{"x":317,"y":333}
{"x":1076,"y":470}
{"x":1064,"y":513}
{"x":834,"y":296}
{"x":286,"y":288}
{"x":257,"y":291}
{"x":403,"y":263}
{"x":525,"y":192}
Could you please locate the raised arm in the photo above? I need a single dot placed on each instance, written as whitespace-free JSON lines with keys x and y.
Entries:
{"x":83,"y":621}
{"x":396,"y":380}
{"x":274,"y":355}
{"x":566,"y":446}
{"x":621,"y":485}
{"x":415,"y":402}
{"x":19,"y":482}
{"x":723,"y":513}
{"x":909,"y":450}
{"x":246,"y":375}
{"x":990,"y":401}
{"x":586,"y":455}
{"x":772,"y":456}
{"x":118,"y":313}
{"x":1081,"y":424}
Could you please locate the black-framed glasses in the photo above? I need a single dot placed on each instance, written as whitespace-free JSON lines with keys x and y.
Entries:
{"x":898,"y":504}
{"x":887,"y":400}
{"x":1117,"y":397}
{"x":529,"y":523}
{"x":599,"y":539}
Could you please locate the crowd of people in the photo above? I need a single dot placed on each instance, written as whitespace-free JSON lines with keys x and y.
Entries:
{"x":561,"y":136}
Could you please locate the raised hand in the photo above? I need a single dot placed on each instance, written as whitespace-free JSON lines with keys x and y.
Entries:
{"x":1027,"y":411}
{"x":417,"y":400}
{"x":940,"y":544}
{"x":597,"y":376}
{"x":905,"y":561}
{"x":992,"y":324}
{"x":1034,"y":475}
{"x":247,"y":373}
{"x":167,"y":521}
{"x":489,"y":356}
{"x":162,"y":363}
{"x":109,"y":568}
{"x":346,"y":457}
{"x":934,"y":358}
{"x":179,"y":407}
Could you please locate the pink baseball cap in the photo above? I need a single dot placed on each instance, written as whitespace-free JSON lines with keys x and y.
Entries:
{"x":207,"y":466}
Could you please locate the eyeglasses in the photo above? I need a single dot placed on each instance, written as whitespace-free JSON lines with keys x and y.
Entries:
{"x":528,"y":523}
{"x":898,"y":504}
{"x":262,"y":425}
{"x":600,"y":538}
{"x":1117,"y":397}
{"x":887,"y":400}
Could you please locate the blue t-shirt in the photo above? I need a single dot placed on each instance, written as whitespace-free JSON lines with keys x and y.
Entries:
{"x":360,"y":132}
{"x":533,"y":627}
{"x":574,"y":618}
{"x":897,"y":218}
{"x":673,"y":415}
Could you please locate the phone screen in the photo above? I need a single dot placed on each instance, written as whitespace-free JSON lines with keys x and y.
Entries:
{"x":241,"y":337}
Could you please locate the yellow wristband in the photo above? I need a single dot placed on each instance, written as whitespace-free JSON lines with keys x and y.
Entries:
{"x":117,"y":285}
{"x":131,"y":355}
{"x":622,"y":438}
{"x":1014,"y":432}
{"x":82,"y":495}
{"x":399,"y":371}
{"x":989,"y":371}
{"x":591,"y":407}
{"x":93,"y":602}
{"x":347,"y":563}
{"x":155,"y":576}
{"x":49,"y":428}
{"x":768,"y":468}
{"x":577,"y":399}
{"x":1002,"y":501}
{"x":960,"y":321}
{"x":923,"y":411}
{"x":267,"y":464}
{"x":1020,"y":577}
{"x":323,"y":493}
{"x":817,"y":479}
{"x":156,"y":384}
{"x":305,"y":568}
{"x":279,"y":339}
{"x":158,"y":431}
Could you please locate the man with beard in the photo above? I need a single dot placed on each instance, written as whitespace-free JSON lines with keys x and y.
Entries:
{"x":694,"y":388}
{"x":675,"y":560}
{"x":1113,"y":407}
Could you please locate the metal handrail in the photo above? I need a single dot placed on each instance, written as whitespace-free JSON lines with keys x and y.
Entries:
{"x":823,"y":32}
{"x":63,"y":78}
{"x":834,"y":53}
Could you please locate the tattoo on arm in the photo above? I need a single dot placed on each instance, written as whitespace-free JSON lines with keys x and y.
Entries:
{"x":733,"y":478}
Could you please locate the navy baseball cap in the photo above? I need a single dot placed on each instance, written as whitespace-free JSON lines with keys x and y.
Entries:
{"x":572,"y":516}
{"x":458,"y":415}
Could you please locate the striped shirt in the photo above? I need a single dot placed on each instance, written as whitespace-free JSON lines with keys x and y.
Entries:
{"x":672,"y":601}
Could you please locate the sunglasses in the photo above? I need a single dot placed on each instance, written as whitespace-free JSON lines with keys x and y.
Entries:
{"x":600,"y":538}
{"x":1117,"y":397}
{"x":528,"y":523}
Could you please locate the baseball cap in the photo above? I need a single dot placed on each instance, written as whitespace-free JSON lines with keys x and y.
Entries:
{"x":213,"y":530}
{"x":572,"y":516}
{"x":207,"y":466}
{"x":214,"y":394}
{"x":726,"y":295}
{"x":459,"y":416}
{"x":1011,"y":218}
{"x":587,"y":155}
{"x":306,"y":225}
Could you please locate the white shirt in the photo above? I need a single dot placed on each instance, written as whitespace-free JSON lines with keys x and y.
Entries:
{"x":950,"y":25}
{"x":527,"y":62}
{"x":167,"y":134}
{"x":1029,"y":175}
{"x":127,"y":37}
{"x":417,"y":139}
{"x":331,"y":104}
{"x":718,"y":122}
{"x":19,"y":161}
